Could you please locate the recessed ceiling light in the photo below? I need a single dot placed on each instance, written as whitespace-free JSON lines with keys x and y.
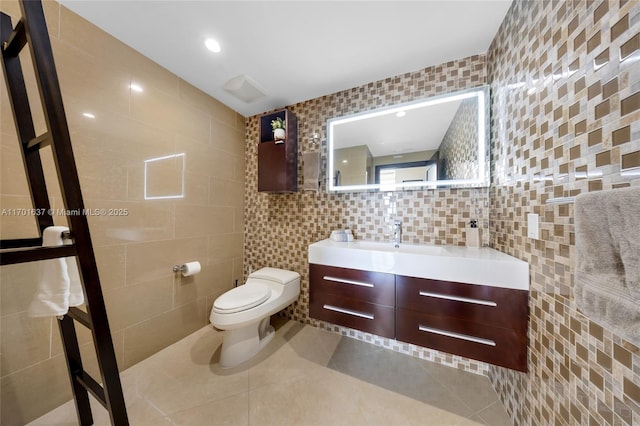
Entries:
{"x":401,"y":114}
{"x":212,"y":45}
{"x":136,"y":87}
{"x":345,"y":161}
{"x":88,"y":115}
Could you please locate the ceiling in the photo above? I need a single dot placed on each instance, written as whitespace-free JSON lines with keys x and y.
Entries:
{"x":296,"y":50}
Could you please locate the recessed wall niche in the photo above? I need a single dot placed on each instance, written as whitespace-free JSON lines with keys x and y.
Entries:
{"x":164,"y":177}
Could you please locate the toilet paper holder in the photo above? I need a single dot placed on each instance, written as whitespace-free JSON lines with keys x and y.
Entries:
{"x":179,"y":268}
{"x":188,"y":268}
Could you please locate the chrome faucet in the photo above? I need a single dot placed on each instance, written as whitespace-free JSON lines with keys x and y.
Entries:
{"x":397,"y":233}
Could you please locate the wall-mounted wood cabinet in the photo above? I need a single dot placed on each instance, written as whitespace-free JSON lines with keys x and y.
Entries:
{"x":278,"y":159}
{"x":475,"y":321}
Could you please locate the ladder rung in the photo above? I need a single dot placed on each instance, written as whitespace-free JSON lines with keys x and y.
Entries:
{"x":81,"y":316}
{"x":28,"y":242}
{"x":90,"y":384}
{"x":16,"y":41}
{"x":20,"y":243}
{"x":35,"y":254}
{"x":40,"y":141}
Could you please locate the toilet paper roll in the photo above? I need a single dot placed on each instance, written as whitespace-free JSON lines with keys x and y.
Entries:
{"x":191,"y":268}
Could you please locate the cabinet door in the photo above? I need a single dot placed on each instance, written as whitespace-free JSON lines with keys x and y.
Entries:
{"x":495,"y":306}
{"x":500,"y":346}
{"x":353,"y":313}
{"x":272,"y":167}
{"x":373,"y":287}
{"x":361,"y":300}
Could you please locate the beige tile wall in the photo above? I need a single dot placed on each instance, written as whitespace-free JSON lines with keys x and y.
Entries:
{"x":565,"y":79}
{"x":280,"y":227}
{"x":148,"y":306}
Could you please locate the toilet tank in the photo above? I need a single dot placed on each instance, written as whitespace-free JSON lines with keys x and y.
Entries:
{"x":280,"y":276}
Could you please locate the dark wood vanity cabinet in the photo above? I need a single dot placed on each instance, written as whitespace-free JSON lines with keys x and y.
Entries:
{"x":475,"y":321}
{"x":361,"y":300}
{"x":278,"y":160}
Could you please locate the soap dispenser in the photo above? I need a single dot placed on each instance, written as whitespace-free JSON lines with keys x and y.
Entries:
{"x":473,"y":234}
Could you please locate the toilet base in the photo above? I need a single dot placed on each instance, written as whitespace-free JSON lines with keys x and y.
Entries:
{"x":241,"y":344}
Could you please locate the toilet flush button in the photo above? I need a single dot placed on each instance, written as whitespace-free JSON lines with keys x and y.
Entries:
{"x":533,"y":229}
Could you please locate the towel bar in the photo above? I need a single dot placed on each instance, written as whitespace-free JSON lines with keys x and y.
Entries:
{"x":561,"y":200}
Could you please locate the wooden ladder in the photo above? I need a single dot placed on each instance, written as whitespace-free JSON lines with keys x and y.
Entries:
{"x":31,"y":31}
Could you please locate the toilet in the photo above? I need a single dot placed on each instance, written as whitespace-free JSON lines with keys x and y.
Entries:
{"x":243,"y":313}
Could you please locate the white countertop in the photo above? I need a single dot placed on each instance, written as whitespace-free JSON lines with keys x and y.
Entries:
{"x":484,"y":266}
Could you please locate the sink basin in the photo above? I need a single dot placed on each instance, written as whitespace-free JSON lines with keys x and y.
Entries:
{"x":404,"y":248}
{"x":483,"y":266}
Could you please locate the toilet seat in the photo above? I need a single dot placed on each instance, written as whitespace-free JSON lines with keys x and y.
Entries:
{"x":242,"y":298}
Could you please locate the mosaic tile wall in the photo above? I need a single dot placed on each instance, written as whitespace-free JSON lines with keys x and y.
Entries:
{"x":458,"y":150}
{"x":279,"y":227}
{"x":565,"y":79}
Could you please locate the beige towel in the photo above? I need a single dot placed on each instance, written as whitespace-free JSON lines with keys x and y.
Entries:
{"x":311,"y":171}
{"x":607,"y":277}
{"x":59,"y":285}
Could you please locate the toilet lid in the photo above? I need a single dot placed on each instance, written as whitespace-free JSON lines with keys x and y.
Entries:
{"x":242,"y":298}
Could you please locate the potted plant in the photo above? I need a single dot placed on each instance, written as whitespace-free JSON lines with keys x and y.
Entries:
{"x":278,"y":126}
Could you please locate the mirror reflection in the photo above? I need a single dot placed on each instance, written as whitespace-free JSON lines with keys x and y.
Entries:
{"x":436,"y":142}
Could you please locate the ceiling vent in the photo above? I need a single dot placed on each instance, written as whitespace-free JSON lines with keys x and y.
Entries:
{"x":244,"y":88}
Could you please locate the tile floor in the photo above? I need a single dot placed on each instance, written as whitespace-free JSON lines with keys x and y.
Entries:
{"x":305,"y":376}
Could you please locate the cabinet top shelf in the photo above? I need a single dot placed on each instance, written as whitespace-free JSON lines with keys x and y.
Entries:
{"x":291,"y":124}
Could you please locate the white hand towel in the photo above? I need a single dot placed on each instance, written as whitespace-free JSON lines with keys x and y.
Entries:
{"x":59,"y":285}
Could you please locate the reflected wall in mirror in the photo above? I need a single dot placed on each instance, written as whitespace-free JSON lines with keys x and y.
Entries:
{"x":441,"y":141}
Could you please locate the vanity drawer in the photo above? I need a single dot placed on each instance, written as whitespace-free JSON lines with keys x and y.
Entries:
{"x":496,"y":345}
{"x":487,"y":305}
{"x":374,"y":287}
{"x":353,"y":313}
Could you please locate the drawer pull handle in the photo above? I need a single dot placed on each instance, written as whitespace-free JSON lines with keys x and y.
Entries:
{"x":459,"y":299}
{"x":344,"y":281}
{"x":348,"y":312}
{"x":457,"y":335}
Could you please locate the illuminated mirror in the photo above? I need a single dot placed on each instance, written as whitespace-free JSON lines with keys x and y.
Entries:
{"x":441,"y":141}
